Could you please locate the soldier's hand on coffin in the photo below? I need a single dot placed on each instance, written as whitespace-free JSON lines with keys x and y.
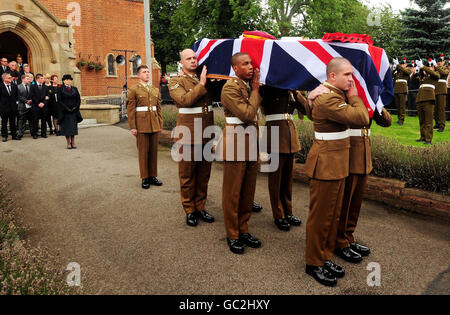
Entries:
{"x":255,"y":80}
{"x":203,"y":76}
{"x":317,"y":92}
{"x":352,"y":91}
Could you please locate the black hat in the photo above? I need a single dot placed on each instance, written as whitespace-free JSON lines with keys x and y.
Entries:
{"x":67,"y":77}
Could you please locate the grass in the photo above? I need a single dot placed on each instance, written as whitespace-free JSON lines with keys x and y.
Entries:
{"x":409,"y":132}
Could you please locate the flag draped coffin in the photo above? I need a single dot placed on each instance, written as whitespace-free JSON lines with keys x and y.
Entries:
{"x":301,"y":65}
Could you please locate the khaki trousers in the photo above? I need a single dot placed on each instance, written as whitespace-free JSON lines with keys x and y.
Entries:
{"x":238,"y":192}
{"x":194,"y":178}
{"x":355,"y":186}
{"x":400,"y":102}
{"x":441,"y":102}
{"x":323,"y":220}
{"x":147,"y":144}
{"x":425,"y":112}
{"x":280,"y":187}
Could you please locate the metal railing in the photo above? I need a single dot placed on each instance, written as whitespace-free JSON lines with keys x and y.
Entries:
{"x":117,"y":96}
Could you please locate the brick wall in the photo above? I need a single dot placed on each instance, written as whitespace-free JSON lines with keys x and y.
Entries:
{"x":105,"y":25}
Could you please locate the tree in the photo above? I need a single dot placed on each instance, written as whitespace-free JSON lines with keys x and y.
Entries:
{"x":287,"y":14}
{"x":167,"y":40}
{"x":196,"y":19}
{"x":426,"y":30}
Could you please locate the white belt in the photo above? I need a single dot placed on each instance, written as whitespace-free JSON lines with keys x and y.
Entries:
{"x":278,"y":117}
{"x":236,"y":121}
{"x":359,"y":132}
{"x":401,"y":80}
{"x":428,"y":86}
{"x":442,"y":80}
{"x":331,"y":135}
{"x":145,"y":109}
{"x":195,"y":110}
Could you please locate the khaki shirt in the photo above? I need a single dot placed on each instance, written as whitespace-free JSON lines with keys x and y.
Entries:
{"x":278,"y":101}
{"x":401,"y":74}
{"x":240,"y":102}
{"x":360,"y":150}
{"x":187,"y":92}
{"x":331,"y":112}
{"x":144,"y":121}
{"x":441,"y":87}
{"x":428,"y":93}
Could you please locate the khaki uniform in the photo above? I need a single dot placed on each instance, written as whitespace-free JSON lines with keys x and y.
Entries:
{"x":280,"y":104}
{"x":144,"y":115}
{"x":187,"y":93}
{"x":327,"y":165}
{"x":356,"y":182}
{"x":239,"y":171}
{"x":441,"y":96}
{"x":401,"y":76}
{"x":426,"y":99}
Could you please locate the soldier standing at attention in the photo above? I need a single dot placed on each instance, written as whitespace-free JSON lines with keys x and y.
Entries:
{"x":441,"y":94}
{"x":401,"y":75}
{"x":241,"y":100}
{"x":194,"y":104}
{"x":327,"y":166}
{"x":145,"y":120}
{"x":278,"y":106}
{"x":426,"y":99}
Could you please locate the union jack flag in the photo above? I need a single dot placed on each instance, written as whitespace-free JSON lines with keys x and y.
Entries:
{"x":301,"y":65}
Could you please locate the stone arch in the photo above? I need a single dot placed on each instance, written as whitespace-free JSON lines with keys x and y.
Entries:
{"x":37,"y":41}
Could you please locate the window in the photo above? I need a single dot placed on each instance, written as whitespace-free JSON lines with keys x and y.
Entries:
{"x":111,"y":65}
{"x":136,"y":64}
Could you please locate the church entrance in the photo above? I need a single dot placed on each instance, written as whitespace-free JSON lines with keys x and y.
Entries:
{"x":12,"y":45}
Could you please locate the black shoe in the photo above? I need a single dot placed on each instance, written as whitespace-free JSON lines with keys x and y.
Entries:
{"x":282,"y":224}
{"x":145,"y":183}
{"x":441,"y":130}
{"x":235,"y":246}
{"x":256,"y":207}
{"x":360,"y":249}
{"x":322,"y":275}
{"x":348,"y":254}
{"x":154,"y":181}
{"x":20,"y":137}
{"x":420,"y":140}
{"x":51,"y":132}
{"x":435,"y":127}
{"x":336,"y":270}
{"x":35,"y":137}
{"x":293,"y":220}
{"x":43,"y":136}
{"x":249,"y":240}
{"x":427,"y":142}
{"x":4,"y":139}
{"x":400,"y":122}
{"x":205,"y":216}
{"x":191,"y":219}
{"x":16,"y":138}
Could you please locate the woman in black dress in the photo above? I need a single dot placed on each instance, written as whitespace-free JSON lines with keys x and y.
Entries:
{"x":53,"y":106}
{"x":69,"y":102}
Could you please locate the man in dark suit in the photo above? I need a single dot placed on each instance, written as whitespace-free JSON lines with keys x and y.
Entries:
{"x":12,"y":69}
{"x":3,"y":67}
{"x":39,"y":100}
{"x":19,"y":61}
{"x":25,"y":111}
{"x":8,"y":107}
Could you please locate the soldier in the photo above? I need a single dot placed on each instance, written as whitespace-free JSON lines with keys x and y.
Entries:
{"x":145,"y":120}
{"x":327,"y":166}
{"x":426,"y":99}
{"x":413,"y":88}
{"x":241,"y":100}
{"x":401,"y":75}
{"x":441,"y":94}
{"x":278,"y":106}
{"x":194,"y":104}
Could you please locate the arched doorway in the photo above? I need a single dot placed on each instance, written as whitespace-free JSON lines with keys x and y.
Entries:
{"x":11,"y":45}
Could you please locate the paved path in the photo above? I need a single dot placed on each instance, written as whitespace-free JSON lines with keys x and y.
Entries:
{"x":88,"y":205}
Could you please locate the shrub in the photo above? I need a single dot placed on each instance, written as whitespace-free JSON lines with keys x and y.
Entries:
{"x":25,"y":270}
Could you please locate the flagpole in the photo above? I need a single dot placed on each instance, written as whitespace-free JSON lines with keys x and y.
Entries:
{"x":148,"y":39}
